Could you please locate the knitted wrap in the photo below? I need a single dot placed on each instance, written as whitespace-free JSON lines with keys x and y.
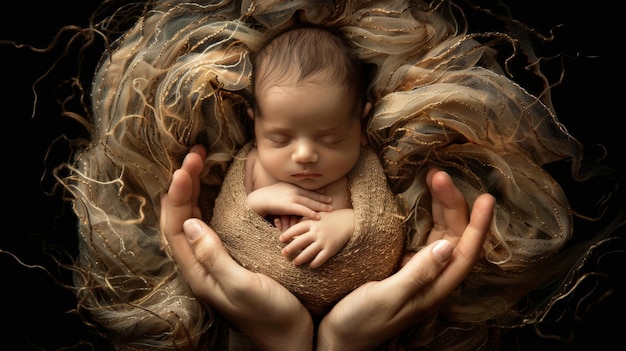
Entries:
{"x":372,"y":253}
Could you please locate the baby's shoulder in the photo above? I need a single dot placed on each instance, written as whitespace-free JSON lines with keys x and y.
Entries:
{"x":256,"y":176}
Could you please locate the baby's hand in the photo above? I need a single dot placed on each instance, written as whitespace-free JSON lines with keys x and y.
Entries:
{"x":287,"y":199}
{"x":316,"y":241}
{"x":285,"y":222}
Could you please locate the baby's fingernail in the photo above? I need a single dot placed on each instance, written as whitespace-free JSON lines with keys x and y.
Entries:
{"x":442,"y":250}
{"x":192,"y":229}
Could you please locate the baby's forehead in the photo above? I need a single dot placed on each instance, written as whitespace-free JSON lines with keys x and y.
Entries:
{"x":262,"y":89}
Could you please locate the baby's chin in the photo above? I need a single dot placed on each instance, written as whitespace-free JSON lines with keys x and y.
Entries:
{"x":312,"y":183}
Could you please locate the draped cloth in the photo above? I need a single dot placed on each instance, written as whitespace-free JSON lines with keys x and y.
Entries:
{"x":372,"y":253}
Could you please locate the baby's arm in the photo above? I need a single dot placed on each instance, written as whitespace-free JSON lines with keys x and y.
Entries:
{"x":269,"y":196}
{"x":287,"y":199}
{"x":316,"y":241}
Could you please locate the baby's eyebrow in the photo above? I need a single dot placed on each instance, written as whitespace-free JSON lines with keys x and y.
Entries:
{"x":335,"y":128}
{"x":279,"y":130}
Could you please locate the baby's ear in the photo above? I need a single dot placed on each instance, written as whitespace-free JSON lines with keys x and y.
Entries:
{"x":364,"y":115}
{"x":364,"y":138}
{"x":366,"y":111}
{"x":250,"y":112}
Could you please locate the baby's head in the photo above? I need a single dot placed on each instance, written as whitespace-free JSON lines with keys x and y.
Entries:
{"x":310,"y":55}
{"x":310,"y":107}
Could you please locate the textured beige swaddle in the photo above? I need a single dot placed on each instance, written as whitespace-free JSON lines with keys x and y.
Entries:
{"x":372,"y":253}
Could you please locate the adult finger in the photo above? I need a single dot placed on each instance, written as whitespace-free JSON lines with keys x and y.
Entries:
{"x":449,"y":207}
{"x":181,"y":203}
{"x":469,"y":246}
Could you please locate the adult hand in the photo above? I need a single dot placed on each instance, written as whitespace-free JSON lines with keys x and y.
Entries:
{"x":262,"y":309}
{"x":274,"y":319}
{"x":369,"y":315}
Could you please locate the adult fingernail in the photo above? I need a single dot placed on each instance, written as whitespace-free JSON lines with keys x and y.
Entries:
{"x":192,"y":229}
{"x":442,"y":250}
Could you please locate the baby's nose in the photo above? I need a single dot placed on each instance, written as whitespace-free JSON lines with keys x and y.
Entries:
{"x":304,"y":152}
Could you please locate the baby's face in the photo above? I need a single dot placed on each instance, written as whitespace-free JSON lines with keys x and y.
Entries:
{"x":308,"y":135}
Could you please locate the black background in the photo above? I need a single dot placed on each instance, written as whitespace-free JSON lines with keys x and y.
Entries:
{"x":36,"y":308}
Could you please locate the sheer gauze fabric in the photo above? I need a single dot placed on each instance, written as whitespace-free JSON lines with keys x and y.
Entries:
{"x":181,"y":76}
